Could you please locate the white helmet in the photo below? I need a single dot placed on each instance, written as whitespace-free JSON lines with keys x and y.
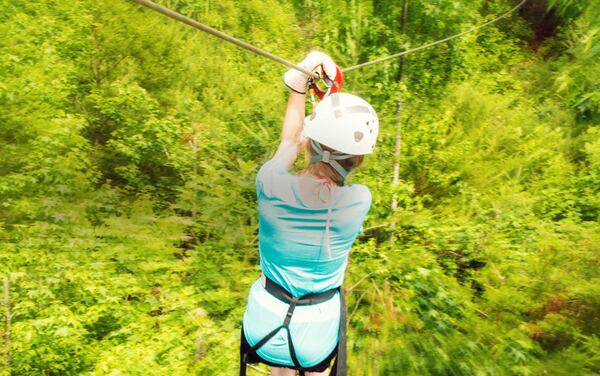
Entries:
{"x":343,"y":122}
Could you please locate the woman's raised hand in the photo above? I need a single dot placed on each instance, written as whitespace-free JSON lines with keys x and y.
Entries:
{"x":297,"y":80}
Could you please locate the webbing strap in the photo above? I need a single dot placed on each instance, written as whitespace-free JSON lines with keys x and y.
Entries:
{"x":329,"y":157}
{"x":266,"y":339}
{"x":290,"y":312}
{"x":339,"y":366}
{"x":292,"y":350}
{"x":285,"y":325}
{"x":309,"y":299}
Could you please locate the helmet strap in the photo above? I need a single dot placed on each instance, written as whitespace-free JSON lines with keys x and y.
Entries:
{"x":329,"y":157}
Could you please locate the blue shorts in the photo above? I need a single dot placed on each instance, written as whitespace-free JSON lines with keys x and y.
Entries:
{"x":314,"y":328}
{"x":253,"y":358}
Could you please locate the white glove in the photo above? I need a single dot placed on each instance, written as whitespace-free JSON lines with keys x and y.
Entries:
{"x":297,"y":80}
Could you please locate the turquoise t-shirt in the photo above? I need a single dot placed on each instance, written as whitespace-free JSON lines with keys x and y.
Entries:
{"x":293,"y":253}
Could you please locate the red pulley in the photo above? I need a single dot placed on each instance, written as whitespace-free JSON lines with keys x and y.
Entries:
{"x":332,"y":86}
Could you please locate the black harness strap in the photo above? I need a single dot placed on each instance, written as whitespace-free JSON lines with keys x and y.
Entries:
{"x":339,"y":366}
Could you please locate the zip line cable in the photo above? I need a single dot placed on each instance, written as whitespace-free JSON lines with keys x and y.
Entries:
{"x":209,"y":30}
{"x":411,"y":50}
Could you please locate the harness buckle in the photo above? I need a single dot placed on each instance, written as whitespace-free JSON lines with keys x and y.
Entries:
{"x":326,"y":156}
{"x":290,"y":312}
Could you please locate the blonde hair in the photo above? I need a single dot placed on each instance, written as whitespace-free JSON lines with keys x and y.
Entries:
{"x":325,"y":170}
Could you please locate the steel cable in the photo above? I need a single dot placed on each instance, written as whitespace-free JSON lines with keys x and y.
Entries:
{"x":399,"y":54}
{"x":207,"y":29}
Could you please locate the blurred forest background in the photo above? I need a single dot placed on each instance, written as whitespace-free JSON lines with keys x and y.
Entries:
{"x":129,"y":145}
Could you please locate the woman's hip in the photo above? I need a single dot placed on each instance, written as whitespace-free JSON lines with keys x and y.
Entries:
{"x":314,"y":329}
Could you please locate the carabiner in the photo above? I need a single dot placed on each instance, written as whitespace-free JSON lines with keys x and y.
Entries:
{"x":333,"y":86}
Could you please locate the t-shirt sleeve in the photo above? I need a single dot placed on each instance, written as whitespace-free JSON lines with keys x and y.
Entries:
{"x":365,"y":199}
{"x":273,"y":178}
{"x":270,"y":177}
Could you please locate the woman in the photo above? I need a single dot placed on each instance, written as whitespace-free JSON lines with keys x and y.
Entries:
{"x":307,"y":224}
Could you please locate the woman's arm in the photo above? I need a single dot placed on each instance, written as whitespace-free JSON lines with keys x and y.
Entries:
{"x":294,"y":116}
{"x":289,"y":148}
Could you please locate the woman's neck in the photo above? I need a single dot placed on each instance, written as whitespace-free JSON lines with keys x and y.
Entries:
{"x":315,"y":190}
{"x":310,"y":174}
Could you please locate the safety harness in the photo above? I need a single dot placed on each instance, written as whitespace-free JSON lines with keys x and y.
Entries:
{"x":339,"y":365}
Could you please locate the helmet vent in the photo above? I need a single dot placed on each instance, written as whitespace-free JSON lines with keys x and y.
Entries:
{"x":335,"y":100}
{"x":358,"y":136}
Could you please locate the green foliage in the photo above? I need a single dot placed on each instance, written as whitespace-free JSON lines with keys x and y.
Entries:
{"x":130,"y":145}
